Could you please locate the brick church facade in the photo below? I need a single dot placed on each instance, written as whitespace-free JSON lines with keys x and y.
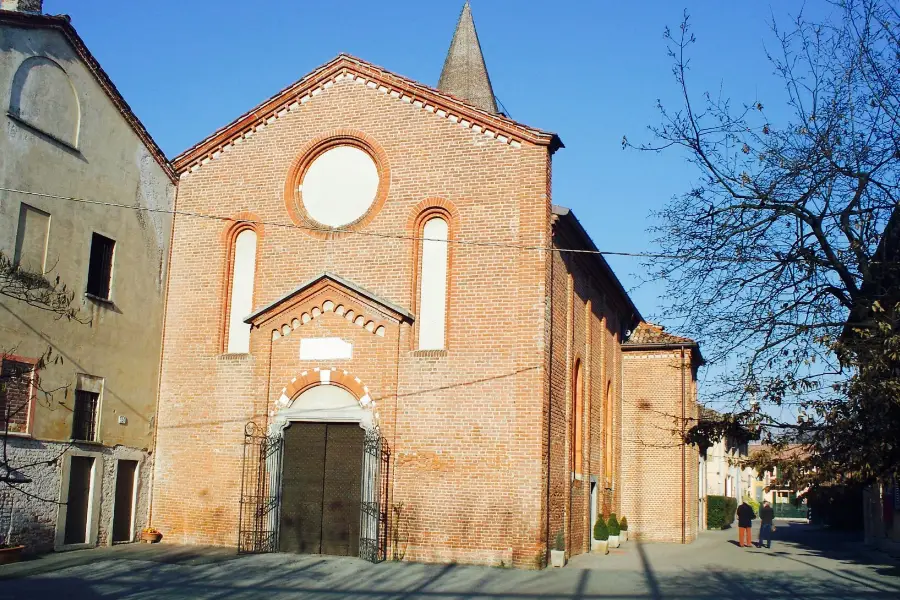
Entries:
{"x":389,"y":268}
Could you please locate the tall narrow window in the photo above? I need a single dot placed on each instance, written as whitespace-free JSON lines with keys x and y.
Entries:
{"x":84,"y":419}
{"x":433,"y":303}
{"x":101,"y":265}
{"x":608,"y":425}
{"x":243,"y":273}
{"x":15,"y":395}
{"x":578,"y":421}
{"x":31,"y":239}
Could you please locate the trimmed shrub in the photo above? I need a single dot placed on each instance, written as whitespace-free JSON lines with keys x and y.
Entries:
{"x":623,"y":524}
{"x":560,"y":541}
{"x":720,"y":511}
{"x":613,"y":525}
{"x":601,"y":532}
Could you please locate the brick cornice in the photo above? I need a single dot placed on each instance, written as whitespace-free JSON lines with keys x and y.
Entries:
{"x":348,"y":68}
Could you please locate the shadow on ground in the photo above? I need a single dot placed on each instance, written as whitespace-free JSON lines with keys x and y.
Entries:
{"x":843,"y":547}
{"x":805,"y":563}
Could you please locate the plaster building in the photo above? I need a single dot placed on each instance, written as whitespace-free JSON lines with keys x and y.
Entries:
{"x":386,"y":350}
{"x":84,"y":424}
{"x":725,"y":475}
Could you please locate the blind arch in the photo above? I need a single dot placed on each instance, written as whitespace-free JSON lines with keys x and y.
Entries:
{"x":433,"y":272}
{"x":243,"y":275}
{"x":578,"y":419}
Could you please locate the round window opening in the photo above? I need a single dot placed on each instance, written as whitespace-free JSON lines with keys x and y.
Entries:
{"x":339,"y":186}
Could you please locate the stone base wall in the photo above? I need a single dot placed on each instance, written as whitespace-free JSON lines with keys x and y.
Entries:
{"x":30,"y":511}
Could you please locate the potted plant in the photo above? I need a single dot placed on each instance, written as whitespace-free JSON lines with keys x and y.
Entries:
{"x":613,"y":526}
{"x":151,"y":535}
{"x":623,"y":527}
{"x":600,"y":543}
{"x":558,"y":554}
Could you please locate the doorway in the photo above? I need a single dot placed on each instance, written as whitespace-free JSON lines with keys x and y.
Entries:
{"x":81,"y":469}
{"x":321,"y":488}
{"x":594,"y":506}
{"x":123,"y":511}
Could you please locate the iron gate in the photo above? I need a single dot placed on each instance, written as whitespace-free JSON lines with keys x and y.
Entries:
{"x":259,"y":521}
{"x":258,"y":518}
{"x":373,"y":509}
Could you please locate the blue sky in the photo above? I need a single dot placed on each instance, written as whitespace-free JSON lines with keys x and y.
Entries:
{"x":589,"y":70}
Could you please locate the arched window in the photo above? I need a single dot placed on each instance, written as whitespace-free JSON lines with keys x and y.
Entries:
{"x":608,"y":426}
{"x":578,"y":420}
{"x":243,"y":273}
{"x":433,"y":286}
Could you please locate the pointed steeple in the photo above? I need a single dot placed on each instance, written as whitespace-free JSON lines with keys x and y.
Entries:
{"x":465,"y":75}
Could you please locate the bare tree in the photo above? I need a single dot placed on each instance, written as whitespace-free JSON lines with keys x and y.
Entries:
{"x":20,"y":382}
{"x":776,"y":246}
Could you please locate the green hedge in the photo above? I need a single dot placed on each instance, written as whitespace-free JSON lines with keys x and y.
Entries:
{"x":720,"y":511}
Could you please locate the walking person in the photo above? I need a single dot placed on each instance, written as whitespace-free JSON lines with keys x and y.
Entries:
{"x":745,"y":517}
{"x":766,"y":527}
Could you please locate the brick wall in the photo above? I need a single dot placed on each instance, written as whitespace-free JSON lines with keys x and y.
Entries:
{"x":463,"y":425}
{"x":652,"y":452}
{"x":585,"y":322}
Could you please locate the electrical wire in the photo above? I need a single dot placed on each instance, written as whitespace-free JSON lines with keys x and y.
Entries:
{"x":388,"y":235}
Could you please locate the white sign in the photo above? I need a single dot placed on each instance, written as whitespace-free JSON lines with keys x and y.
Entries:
{"x":325,"y":349}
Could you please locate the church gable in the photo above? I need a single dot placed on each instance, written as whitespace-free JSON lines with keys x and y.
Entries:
{"x":349,"y":71}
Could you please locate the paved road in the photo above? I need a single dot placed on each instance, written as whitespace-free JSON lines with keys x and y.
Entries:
{"x":805,"y":563}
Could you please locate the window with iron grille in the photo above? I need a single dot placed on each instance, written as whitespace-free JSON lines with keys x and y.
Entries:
{"x":100,"y":269}
{"x":16,"y":380}
{"x":84,"y":421}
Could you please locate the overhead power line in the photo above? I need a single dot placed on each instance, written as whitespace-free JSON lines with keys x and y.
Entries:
{"x":197,"y":215}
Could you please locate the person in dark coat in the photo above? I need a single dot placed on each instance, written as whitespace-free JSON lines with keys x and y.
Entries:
{"x":766,"y":517}
{"x":745,"y":517}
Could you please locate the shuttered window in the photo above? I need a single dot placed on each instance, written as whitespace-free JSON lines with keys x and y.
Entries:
{"x":100,"y":270}
{"x":84,"y":421}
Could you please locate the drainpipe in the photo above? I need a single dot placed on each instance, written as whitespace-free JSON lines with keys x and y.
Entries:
{"x":162,"y":346}
{"x":549,"y":409}
{"x":682,"y":449}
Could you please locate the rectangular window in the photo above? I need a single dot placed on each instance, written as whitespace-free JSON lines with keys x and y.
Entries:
{"x":16,"y":379}
{"x":84,"y":421}
{"x":31,"y":239}
{"x":100,"y":270}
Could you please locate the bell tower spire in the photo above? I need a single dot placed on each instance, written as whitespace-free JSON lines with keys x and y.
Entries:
{"x":465,"y":74}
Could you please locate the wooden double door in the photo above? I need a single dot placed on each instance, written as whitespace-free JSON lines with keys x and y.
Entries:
{"x":321,"y":488}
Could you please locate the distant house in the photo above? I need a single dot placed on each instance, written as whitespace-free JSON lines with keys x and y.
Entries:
{"x":724,"y":474}
{"x":768,"y":487}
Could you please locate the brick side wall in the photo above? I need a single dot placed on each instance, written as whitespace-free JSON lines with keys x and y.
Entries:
{"x":652,"y":452}
{"x":584,"y":326}
{"x":463,"y":425}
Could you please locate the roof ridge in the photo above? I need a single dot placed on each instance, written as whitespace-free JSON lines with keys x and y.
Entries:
{"x":648,"y":333}
{"x":324,"y":77}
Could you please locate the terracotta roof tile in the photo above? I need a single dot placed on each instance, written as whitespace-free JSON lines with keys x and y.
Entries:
{"x":648,"y":333}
